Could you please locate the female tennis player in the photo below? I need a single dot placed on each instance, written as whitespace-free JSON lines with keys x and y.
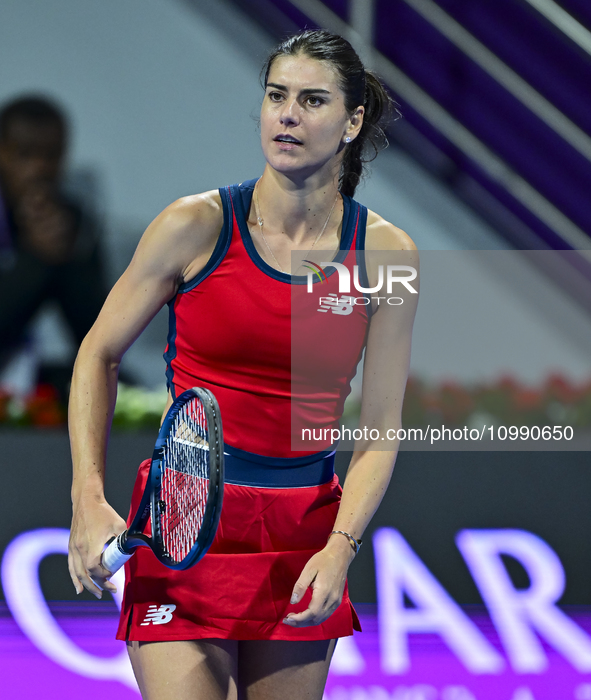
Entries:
{"x":259,"y":615}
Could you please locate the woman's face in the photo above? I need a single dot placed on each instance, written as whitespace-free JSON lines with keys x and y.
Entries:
{"x":304,"y":122}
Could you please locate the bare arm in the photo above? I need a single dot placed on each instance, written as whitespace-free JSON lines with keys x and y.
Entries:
{"x":174,"y":248}
{"x":385,"y":372}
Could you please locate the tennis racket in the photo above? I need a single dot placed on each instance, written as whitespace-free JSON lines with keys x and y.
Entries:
{"x":183,"y":494}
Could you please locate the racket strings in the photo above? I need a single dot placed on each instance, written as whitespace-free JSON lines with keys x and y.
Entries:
{"x":185,"y":481}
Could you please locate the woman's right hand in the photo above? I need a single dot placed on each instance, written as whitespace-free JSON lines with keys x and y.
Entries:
{"x":93,"y":524}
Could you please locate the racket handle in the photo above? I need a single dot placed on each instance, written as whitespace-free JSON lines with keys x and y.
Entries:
{"x":114,"y":557}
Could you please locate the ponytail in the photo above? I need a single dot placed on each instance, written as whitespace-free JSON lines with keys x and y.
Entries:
{"x":371,"y":138}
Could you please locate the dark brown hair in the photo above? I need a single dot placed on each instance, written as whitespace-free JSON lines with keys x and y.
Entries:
{"x":359,"y":86}
{"x":37,"y":109}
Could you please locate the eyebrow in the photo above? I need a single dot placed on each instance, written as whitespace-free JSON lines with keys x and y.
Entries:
{"x":305,"y":91}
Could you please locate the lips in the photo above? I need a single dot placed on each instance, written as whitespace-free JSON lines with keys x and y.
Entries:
{"x":287,"y":138}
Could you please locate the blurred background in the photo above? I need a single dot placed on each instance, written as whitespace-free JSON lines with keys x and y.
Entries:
{"x":113,"y":110}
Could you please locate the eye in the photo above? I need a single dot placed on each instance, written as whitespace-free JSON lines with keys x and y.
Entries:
{"x":275,"y":96}
{"x":314,"y":101}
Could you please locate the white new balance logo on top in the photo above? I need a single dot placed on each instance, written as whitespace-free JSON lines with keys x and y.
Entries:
{"x":342,"y":306}
{"x":159,"y":615}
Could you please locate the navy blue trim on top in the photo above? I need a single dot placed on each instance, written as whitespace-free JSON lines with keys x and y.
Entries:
{"x":170,"y":353}
{"x":242,"y":197}
{"x":248,"y":469}
{"x":221,"y":246}
{"x":360,"y":255}
{"x":219,"y":253}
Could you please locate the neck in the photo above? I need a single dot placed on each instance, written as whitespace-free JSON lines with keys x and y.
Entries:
{"x":297,"y":209}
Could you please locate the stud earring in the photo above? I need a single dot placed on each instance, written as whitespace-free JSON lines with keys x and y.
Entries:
{"x":348,"y":139}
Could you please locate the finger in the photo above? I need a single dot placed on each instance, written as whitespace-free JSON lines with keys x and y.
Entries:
{"x":86,"y":580}
{"x":302,"y":584}
{"x":90,"y":585}
{"x":101,"y":575}
{"x":311,"y":616}
{"x":322,"y":605}
{"x":77,"y":585}
{"x":104,"y":584}
{"x":307,"y":618}
{"x":77,"y":567}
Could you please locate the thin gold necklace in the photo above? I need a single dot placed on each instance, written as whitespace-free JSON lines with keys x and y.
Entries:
{"x":261,"y":222}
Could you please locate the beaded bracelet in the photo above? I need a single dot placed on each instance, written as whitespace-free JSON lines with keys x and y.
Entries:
{"x":355,"y":544}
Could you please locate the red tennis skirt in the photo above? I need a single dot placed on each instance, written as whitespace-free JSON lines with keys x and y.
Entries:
{"x":242,"y":587}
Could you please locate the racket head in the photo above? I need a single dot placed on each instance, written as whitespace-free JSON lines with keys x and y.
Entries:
{"x":187,"y":480}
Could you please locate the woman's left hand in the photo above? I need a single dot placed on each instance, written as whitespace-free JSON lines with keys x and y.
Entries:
{"x":326,"y":573}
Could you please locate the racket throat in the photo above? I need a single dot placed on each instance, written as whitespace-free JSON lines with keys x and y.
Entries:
{"x":127,"y":542}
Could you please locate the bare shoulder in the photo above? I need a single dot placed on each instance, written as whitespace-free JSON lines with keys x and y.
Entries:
{"x":197,"y":216}
{"x":183,"y":236}
{"x":382,"y":235}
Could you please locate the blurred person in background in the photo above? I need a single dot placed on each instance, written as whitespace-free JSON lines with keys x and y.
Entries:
{"x":48,"y":241}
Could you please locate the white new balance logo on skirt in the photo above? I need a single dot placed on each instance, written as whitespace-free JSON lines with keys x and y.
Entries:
{"x":159,"y":615}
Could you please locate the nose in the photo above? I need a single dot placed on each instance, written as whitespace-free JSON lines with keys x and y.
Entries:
{"x":42,"y":167}
{"x":289,"y":115}
{"x":40,"y":171}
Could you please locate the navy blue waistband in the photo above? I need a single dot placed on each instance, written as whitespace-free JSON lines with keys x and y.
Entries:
{"x":249,"y":469}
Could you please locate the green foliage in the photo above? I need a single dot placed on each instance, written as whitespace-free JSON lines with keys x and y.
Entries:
{"x":138,"y":408}
{"x":504,"y":402}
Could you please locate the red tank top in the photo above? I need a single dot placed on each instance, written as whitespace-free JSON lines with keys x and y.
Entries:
{"x":278,"y":353}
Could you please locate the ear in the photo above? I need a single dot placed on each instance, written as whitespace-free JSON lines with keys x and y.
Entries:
{"x":354,"y":125}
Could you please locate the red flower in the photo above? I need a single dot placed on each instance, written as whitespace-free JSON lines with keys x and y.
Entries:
{"x":560,"y":389}
{"x":4,"y":399}
{"x":527,"y":399}
{"x":43,"y":407}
